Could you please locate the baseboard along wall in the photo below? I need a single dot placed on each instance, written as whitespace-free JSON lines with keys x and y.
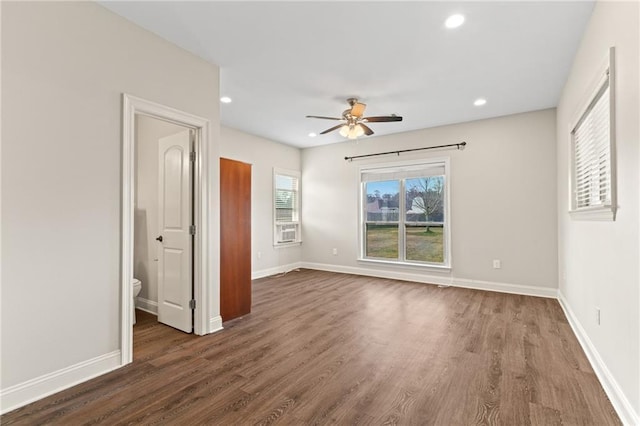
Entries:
{"x":32,"y":390}
{"x":548,"y":292}
{"x":215,"y":324}
{"x":618,"y":399}
{"x":283,"y":269}
{"x":147,"y":305}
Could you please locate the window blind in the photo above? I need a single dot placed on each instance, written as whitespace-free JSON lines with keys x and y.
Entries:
{"x":286,"y":198}
{"x":405,"y":172}
{"x":592,"y":153}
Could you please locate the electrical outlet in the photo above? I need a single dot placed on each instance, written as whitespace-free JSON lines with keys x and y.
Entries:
{"x":598,"y":316}
{"x":497,"y":264}
{"x":335,"y":251}
{"x":259,"y":255}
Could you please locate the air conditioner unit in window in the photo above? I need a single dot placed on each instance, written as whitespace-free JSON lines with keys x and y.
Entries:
{"x":288,"y":233}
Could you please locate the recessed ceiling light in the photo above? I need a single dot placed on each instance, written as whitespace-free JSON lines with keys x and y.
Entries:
{"x":225,"y":100}
{"x":479,"y":102}
{"x":454,"y":21}
{"x":312,"y":135}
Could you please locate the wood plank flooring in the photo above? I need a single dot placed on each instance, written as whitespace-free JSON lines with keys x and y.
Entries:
{"x":325,"y":348}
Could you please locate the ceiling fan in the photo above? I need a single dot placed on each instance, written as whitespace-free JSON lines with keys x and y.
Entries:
{"x":353,"y":123}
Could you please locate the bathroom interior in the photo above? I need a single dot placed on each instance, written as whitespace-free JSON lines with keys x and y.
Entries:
{"x":148,"y":132}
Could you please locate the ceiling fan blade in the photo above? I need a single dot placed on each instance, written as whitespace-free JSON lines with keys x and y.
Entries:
{"x":332,"y":129}
{"x":367,"y":129}
{"x":382,"y":119}
{"x":324,"y":118}
{"x":358,"y":109}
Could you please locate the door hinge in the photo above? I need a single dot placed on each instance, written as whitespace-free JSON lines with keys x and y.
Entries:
{"x":192,"y":156}
{"x":192,"y":230}
{"x":192,"y":304}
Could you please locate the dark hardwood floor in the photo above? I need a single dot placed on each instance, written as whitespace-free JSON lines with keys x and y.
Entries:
{"x":322,"y":348}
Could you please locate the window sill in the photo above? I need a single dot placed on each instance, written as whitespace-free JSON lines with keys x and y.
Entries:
{"x":604,"y":214}
{"x":423,"y":266}
{"x":285,"y":245}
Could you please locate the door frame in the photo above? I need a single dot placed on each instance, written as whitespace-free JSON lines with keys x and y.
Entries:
{"x":202,"y":253}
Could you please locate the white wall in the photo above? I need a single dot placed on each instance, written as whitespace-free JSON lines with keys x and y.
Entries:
{"x":263,"y":155}
{"x":599,"y":261}
{"x":145,"y":255}
{"x":503,"y":201}
{"x":65,"y":66}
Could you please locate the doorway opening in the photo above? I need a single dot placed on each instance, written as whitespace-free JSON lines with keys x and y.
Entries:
{"x":163,"y":221}
{"x":201,"y":264}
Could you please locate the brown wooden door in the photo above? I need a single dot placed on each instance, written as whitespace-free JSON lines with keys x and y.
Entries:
{"x":235,"y":239}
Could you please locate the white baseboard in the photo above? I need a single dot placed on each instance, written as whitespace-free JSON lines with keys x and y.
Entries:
{"x":617,"y":397}
{"x":147,"y":305}
{"x":525,"y":290}
{"x":215,"y":324}
{"x":276,"y":270}
{"x":436,"y":279}
{"x":32,"y":390}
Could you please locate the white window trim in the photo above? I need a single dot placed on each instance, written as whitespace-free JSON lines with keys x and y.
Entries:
{"x":298,"y":241}
{"x":447,"y":264}
{"x":605,"y":212}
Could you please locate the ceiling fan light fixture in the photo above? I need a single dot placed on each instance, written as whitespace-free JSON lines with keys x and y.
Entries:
{"x":454,"y":21}
{"x":353,"y":123}
{"x":353,"y":132}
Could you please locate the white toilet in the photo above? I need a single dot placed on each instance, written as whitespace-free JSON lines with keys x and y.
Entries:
{"x":137,"y":286}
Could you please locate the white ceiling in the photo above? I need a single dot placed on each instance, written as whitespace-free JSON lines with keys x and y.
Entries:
{"x":280,"y":61}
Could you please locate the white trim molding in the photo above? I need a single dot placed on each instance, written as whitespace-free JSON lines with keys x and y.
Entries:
{"x":444,"y":279}
{"x":620,"y":403}
{"x":283,"y":269}
{"x":600,"y":214}
{"x":215,"y":324}
{"x":32,"y":390}
{"x":150,"y":306}
{"x":524,"y":290}
{"x":205,"y":283}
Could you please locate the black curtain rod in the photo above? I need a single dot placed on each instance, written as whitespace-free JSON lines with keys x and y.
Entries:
{"x":460,"y":146}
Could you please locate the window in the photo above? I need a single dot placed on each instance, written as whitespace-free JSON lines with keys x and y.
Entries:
{"x":405,"y":213}
{"x":593,"y":178}
{"x":286,"y":207}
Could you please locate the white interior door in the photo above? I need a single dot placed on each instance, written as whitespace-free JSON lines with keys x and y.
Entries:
{"x":175,"y":262}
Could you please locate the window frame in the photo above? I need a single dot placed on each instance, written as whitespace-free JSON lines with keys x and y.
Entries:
{"x":402,"y":222}
{"x":276,"y":224}
{"x":601,"y":212}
